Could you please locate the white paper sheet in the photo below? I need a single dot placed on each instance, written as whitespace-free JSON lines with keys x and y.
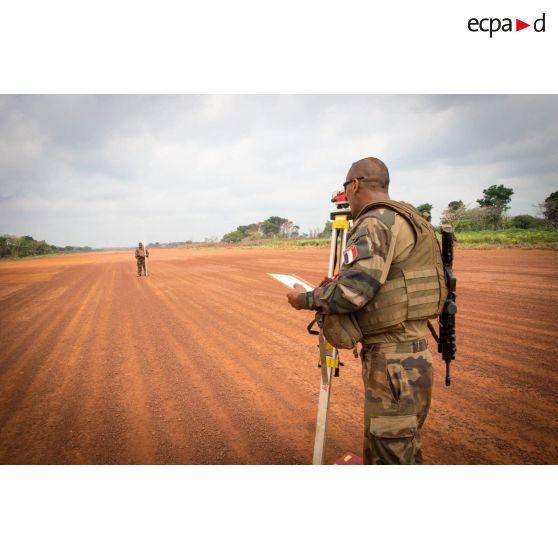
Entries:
{"x":290,"y":281}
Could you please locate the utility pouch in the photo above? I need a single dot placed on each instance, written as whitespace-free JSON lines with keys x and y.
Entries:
{"x":342,"y":331}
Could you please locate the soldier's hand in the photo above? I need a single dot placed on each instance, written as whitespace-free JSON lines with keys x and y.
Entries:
{"x":325,"y":281}
{"x":292,"y":296}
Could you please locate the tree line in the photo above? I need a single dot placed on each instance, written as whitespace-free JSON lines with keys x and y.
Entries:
{"x":12,"y":246}
{"x":272,"y":227}
{"x":491,"y":212}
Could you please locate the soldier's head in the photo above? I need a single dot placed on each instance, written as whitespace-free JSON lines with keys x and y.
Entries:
{"x":367,"y":181}
{"x":140,"y":245}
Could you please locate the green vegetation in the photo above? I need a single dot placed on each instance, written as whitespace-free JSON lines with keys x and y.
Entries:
{"x":425,"y":208}
{"x":496,"y":196}
{"x":26,"y":246}
{"x":550,"y":209}
{"x":488,"y":224}
{"x":495,"y":202}
{"x":272,"y":243}
{"x":178,"y":244}
{"x":287,"y":243}
{"x":527,"y":222}
{"x":519,"y":238}
{"x":509,"y":238}
{"x":273,"y":227}
{"x":489,"y":215}
{"x":484,"y":226}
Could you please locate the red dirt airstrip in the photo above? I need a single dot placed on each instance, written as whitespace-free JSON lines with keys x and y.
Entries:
{"x":204,"y":361}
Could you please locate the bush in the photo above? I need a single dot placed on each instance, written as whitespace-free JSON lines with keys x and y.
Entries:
{"x":467,"y":225}
{"x":234,"y":236}
{"x":527,"y":222}
{"x":550,"y":209}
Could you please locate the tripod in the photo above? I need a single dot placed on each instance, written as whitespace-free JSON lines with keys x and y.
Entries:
{"x":329,"y":357}
{"x":145,"y":259}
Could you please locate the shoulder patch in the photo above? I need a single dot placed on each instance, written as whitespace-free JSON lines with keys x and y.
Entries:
{"x":386,"y":216}
{"x":350,"y":255}
{"x":358,"y":248}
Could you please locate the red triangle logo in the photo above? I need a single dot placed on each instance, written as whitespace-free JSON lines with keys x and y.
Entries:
{"x":519,"y":25}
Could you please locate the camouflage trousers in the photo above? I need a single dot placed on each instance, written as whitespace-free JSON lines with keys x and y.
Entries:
{"x":397,"y":394}
{"x":141,"y":265}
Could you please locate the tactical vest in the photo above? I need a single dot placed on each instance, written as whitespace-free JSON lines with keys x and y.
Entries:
{"x":415,"y":289}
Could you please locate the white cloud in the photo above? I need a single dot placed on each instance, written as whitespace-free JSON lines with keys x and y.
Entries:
{"x":107,"y":170}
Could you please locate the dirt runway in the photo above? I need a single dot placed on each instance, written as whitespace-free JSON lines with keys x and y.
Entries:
{"x":204,"y":362}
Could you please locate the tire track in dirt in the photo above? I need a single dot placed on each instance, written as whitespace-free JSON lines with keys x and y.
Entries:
{"x":289,"y":332}
{"x":50,"y":373}
{"x":119,"y":403}
{"x":21,"y":366}
{"x":235,"y":385}
{"x":28,"y":313}
{"x":242,"y":332}
{"x":178,"y":392}
{"x":203,"y":362}
{"x":102,"y":427}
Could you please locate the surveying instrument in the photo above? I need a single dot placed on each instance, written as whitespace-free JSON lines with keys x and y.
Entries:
{"x":329,"y":363}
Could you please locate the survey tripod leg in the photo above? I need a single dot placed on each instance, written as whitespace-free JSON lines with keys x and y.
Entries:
{"x":145,"y":259}
{"x":323,"y":408}
{"x":329,"y":358}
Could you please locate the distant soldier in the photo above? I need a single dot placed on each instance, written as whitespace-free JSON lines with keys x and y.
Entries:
{"x":391,"y":282}
{"x":141,"y":254}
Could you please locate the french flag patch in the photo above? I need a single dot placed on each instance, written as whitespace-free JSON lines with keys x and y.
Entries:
{"x":350,"y":255}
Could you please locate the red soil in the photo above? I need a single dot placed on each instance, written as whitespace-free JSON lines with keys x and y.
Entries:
{"x":204,"y":361}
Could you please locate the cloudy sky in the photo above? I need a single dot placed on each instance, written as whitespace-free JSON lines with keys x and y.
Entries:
{"x":115,"y":169}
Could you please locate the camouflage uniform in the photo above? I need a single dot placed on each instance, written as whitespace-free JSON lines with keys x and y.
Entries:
{"x":396,"y":366}
{"x":398,"y":389}
{"x":140,"y":254}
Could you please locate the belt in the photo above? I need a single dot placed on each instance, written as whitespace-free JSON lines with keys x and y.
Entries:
{"x":415,"y":346}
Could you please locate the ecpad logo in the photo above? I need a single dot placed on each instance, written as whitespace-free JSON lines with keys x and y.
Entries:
{"x":493,"y":25}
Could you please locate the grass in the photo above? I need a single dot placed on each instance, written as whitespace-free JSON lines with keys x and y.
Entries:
{"x":277,"y":243}
{"x":272,"y":243}
{"x":509,"y":238}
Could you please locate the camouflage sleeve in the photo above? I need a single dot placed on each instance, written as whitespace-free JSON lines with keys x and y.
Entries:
{"x":367,"y":259}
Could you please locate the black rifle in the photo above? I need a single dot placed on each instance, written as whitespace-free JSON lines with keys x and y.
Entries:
{"x":446,"y":339}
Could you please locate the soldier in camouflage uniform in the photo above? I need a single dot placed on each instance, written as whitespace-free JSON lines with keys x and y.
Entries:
{"x":141,"y":253}
{"x":391,"y":281}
